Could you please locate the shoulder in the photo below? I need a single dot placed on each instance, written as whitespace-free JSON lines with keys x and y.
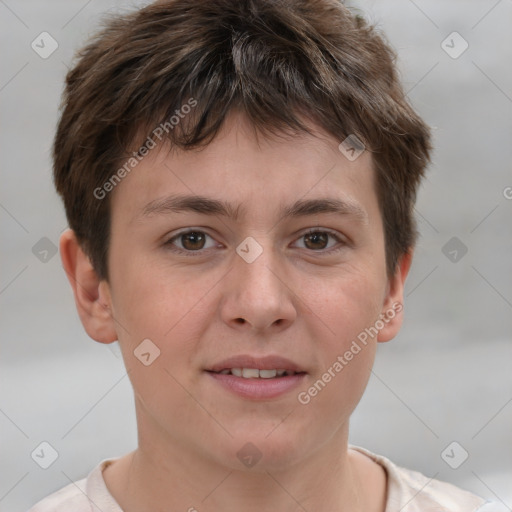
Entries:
{"x":87,"y":495}
{"x":411,"y":491}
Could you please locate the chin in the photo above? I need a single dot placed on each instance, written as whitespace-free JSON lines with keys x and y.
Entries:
{"x":252,"y":450}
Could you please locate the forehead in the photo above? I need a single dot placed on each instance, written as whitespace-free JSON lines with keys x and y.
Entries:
{"x":241,"y":170}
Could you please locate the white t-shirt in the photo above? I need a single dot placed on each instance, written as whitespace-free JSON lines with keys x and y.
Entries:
{"x":407,"y":491}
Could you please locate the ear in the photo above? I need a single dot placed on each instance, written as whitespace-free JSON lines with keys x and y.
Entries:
{"x":92,"y":295}
{"x":392,"y":310}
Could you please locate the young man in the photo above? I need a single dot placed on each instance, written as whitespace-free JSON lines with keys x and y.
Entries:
{"x":239,"y":180}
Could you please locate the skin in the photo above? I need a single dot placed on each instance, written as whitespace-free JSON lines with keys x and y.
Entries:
{"x":297,"y":300}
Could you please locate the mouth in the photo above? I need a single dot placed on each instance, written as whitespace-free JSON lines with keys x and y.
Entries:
{"x":257,"y":378}
{"x":256,"y":373}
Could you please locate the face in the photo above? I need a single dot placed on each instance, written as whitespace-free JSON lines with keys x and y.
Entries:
{"x":280,"y":267}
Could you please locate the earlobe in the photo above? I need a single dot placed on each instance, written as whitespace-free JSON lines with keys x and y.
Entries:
{"x":392,"y":312}
{"x":92,"y":295}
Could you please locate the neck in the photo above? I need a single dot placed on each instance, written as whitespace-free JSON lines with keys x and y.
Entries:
{"x":169,"y":476}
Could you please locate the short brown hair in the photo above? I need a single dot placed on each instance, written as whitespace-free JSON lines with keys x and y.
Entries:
{"x":279,"y":62}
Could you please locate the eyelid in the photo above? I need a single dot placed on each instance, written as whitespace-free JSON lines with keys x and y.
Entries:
{"x":320,"y":230}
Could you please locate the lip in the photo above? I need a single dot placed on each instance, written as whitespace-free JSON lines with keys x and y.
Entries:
{"x":257,"y":389}
{"x":262,"y":363}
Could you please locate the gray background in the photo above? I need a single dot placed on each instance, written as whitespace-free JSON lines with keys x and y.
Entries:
{"x":445,"y":378}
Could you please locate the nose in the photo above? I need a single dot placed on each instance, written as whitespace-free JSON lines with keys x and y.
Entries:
{"x":258,"y":295}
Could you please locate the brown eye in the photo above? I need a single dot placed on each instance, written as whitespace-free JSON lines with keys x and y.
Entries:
{"x":322,"y":241}
{"x":316,"y":240}
{"x":190,"y":242}
{"x":193,"y":240}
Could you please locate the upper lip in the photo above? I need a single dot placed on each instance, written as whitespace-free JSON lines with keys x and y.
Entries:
{"x":261,"y":363}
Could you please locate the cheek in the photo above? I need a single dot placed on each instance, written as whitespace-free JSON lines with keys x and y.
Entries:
{"x":347,"y":304}
{"x":345,"y":310}
{"x":160,"y":320}
{"x":155,"y":300}
{"x":347,"y":358}
{"x":338,"y":389}
{"x":161,"y":326}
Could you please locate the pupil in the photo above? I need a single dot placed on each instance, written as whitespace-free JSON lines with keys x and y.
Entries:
{"x":315,"y":237}
{"x":190,"y":240}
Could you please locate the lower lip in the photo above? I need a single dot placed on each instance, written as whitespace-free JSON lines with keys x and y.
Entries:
{"x":258,"y":388}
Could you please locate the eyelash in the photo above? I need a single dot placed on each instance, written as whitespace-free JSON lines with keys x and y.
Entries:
{"x":343,"y":243}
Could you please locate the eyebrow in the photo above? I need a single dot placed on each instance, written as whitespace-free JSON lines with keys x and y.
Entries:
{"x":208,"y":206}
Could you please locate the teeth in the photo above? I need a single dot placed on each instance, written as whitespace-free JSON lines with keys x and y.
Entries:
{"x":254,"y":373}
{"x":250,"y":373}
